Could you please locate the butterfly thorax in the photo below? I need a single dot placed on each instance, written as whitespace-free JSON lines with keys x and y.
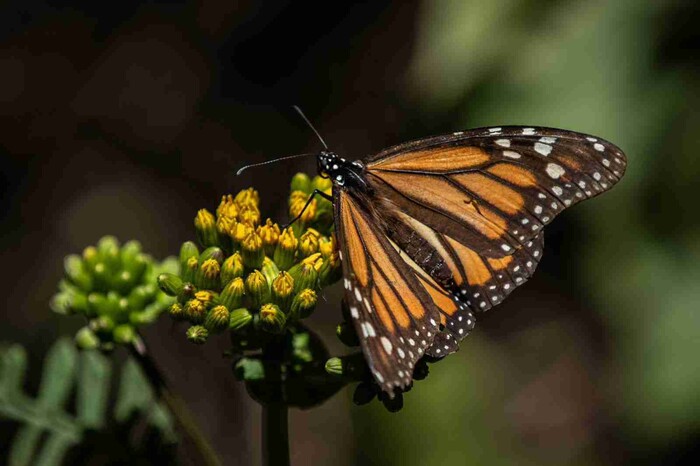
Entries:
{"x":341,"y":171}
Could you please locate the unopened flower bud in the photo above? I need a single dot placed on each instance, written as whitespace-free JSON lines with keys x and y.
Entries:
{"x":272,"y":319}
{"x":269,"y":269}
{"x":240,"y":318}
{"x":176,"y":311}
{"x":108,"y":252}
{"x":305,"y":274}
{"x":257,"y":289}
{"x":170,"y":284}
{"x":225,"y":226}
{"x":326,"y":246}
{"x":286,"y":249}
{"x":241,"y":231}
{"x":352,"y":366}
{"x":309,"y":242}
{"x":86,"y":339}
{"x":77,"y":273}
{"x":208,"y":274}
{"x":124,"y":334}
{"x":195,"y":310}
{"x":205,"y":296}
{"x":252,"y":251}
{"x":197,"y":334}
{"x":90,"y":257}
{"x":217,"y":319}
{"x":232,"y":294}
{"x":320,"y":183}
{"x":205,"y":225}
{"x":249,"y":214}
{"x":301,"y":182}
{"x":249,"y":195}
{"x":269,"y":233}
{"x":227,"y":208}
{"x":297,"y":204}
{"x":282,"y":290}
{"x":189,"y":257}
{"x":231,"y":268}
{"x":346,"y":333}
{"x":303,"y":304}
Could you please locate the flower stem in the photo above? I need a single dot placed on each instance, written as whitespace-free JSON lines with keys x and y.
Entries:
{"x":174,"y":403}
{"x":275,"y":435}
{"x":275,"y":431}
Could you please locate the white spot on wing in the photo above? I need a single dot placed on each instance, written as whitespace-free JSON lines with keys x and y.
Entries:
{"x":511,"y":154}
{"x":599,"y":147}
{"x":543,"y":149}
{"x":387,"y":345}
{"x":503,"y":142}
{"x":554,"y":170}
{"x":528,"y":131}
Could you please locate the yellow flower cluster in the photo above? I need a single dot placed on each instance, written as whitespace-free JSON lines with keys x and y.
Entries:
{"x":254,"y":276}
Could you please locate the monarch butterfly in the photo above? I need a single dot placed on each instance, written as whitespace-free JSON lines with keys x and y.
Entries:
{"x":433,"y":231}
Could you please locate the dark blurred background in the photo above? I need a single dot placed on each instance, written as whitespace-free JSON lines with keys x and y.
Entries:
{"x":125,"y":118}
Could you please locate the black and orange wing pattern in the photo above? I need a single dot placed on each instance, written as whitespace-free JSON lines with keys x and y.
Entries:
{"x":394,"y":316}
{"x":459,"y":219}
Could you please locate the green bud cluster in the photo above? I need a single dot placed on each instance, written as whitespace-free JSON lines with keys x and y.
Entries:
{"x":114,"y":287}
{"x":251,"y":278}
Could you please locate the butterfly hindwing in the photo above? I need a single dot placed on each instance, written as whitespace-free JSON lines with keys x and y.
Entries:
{"x":394,"y":316}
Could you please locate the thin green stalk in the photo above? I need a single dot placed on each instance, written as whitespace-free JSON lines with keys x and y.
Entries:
{"x":174,"y":403}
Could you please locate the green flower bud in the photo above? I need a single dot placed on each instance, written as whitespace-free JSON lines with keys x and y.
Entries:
{"x":334,"y":366}
{"x":208,"y":274}
{"x":189,"y":257}
{"x":309,"y":242}
{"x":364,"y":393}
{"x":232,"y":295}
{"x":301,"y":182}
{"x":352,"y":367}
{"x":270,"y":234}
{"x":188,"y":291}
{"x":102,"y":324}
{"x":129,"y":252}
{"x":241,"y":231}
{"x":297,"y":202}
{"x":195,"y":310}
{"x":257,"y":289}
{"x":231,"y":268}
{"x":205,"y":225}
{"x":124,"y":334}
{"x":197,"y":334}
{"x":240,"y":318}
{"x":108,"y":252}
{"x":86,"y":339}
{"x":270,"y":270}
{"x":77,"y":273}
{"x":170,"y":284}
{"x":303,"y":304}
{"x":141,"y":295}
{"x":252,"y":251}
{"x":217,"y":319}
{"x":282,"y":290}
{"x":286,"y":249}
{"x":205,"y":296}
{"x":177,"y":312}
{"x":90,"y":257}
{"x":346,"y":333}
{"x":189,"y":273}
{"x":102,"y":279}
{"x":305,"y":274}
{"x":272,"y":319}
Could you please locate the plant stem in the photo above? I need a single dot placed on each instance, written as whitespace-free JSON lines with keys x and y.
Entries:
{"x":174,"y":403}
{"x":275,"y":435}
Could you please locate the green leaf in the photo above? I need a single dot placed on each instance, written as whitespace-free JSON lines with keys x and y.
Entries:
{"x":93,"y":389}
{"x":49,"y":430}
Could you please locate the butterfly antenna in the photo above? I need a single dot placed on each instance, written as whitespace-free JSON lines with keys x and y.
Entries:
{"x":310,"y":125}
{"x":272,"y":161}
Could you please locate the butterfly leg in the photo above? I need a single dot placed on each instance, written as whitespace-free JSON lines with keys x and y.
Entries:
{"x":311,"y":198}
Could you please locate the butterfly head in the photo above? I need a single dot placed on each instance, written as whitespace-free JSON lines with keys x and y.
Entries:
{"x":339,"y":170}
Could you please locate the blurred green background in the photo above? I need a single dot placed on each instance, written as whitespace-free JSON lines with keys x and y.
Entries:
{"x":125,"y":118}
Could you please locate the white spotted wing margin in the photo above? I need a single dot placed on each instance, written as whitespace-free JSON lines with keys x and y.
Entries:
{"x":393,"y":315}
